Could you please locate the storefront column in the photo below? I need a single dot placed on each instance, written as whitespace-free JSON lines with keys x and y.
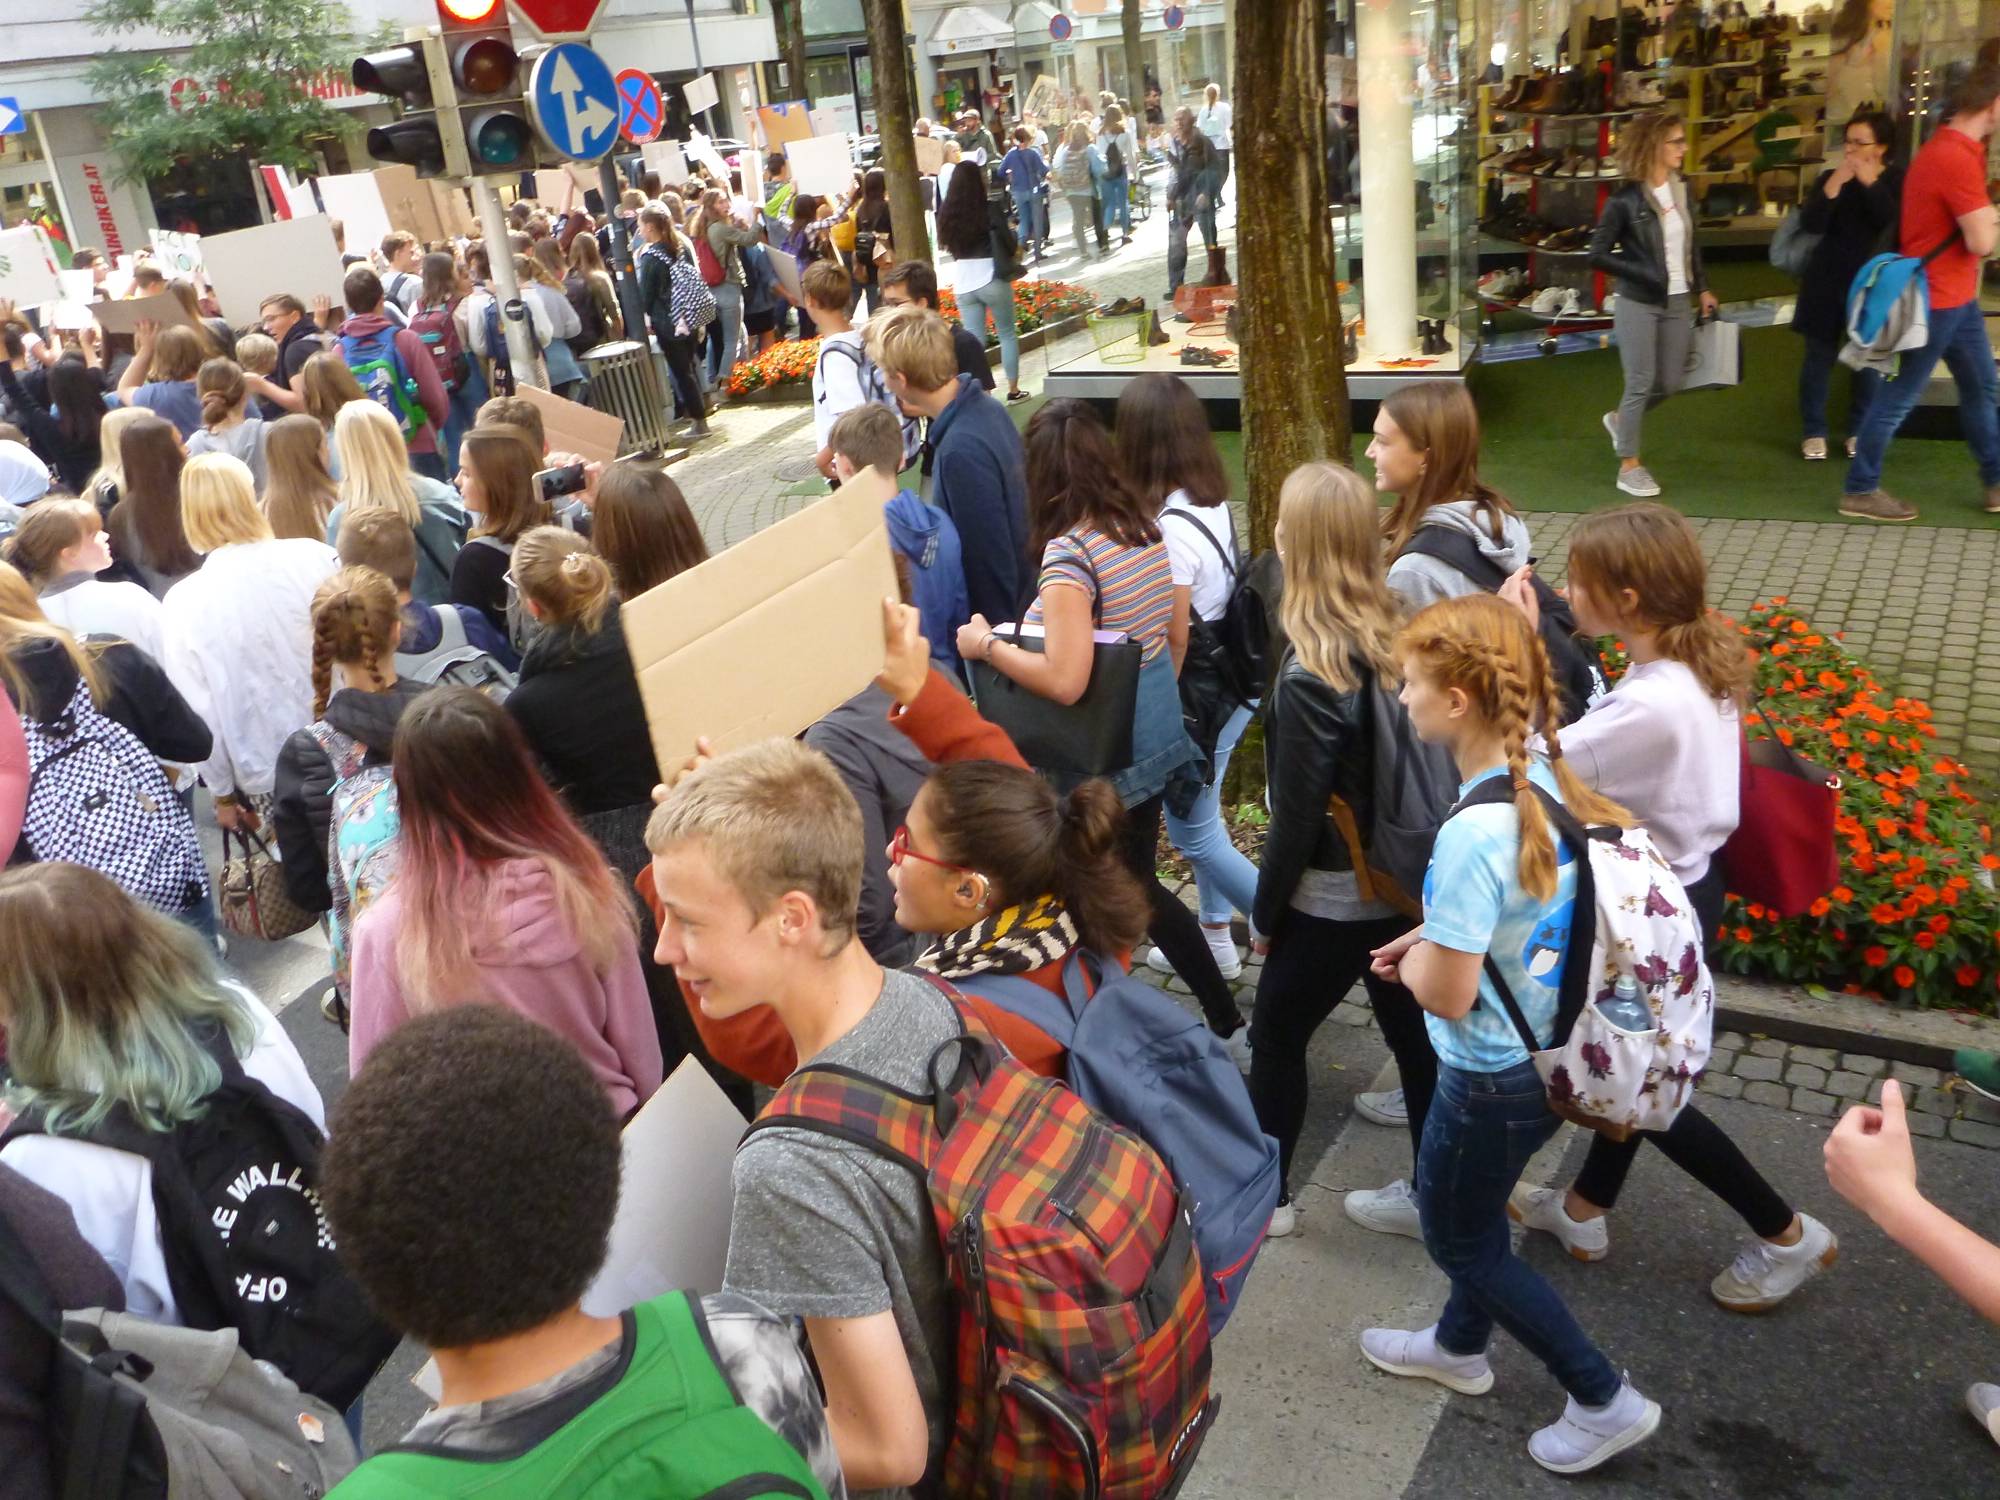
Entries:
{"x":1388,"y":178}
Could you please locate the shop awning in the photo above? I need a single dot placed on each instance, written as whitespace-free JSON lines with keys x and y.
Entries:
{"x":969,"y":28}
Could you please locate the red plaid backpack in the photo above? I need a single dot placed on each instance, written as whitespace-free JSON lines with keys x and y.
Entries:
{"x":1083,"y":1355}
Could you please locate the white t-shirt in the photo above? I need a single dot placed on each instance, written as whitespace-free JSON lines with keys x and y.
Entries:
{"x":1193,"y":561}
{"x":970,"y":274}
{"x":24,"y":478}
{"x":94,"y":607}
{"x":111,"y":1192}
{"x":837,"y":386}
{"x":1674,"y":223}
{"x":1212,"y":120}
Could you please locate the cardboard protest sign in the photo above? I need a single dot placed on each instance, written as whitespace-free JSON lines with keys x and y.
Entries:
{"x":672,"y":1229}
{"x":572,"y":427}
{"x":454,"y":209}
{"x":666,"y":158}
{"x":825,"y":121}
{"x":930,"y":155}
{"x":821,"y":165}
{"x":28,"y":267}
{"x":786,"y":268}
{"x":355,"y":198}
{"x":163,"y":308}
{"x":760,"y":641}
{"x":248,"y":265}
{"x":177,"y":254}
{"x":784,"y":122}
{"x":700,"y":93}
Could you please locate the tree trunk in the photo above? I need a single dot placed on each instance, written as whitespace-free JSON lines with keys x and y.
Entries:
{"x":896,"y":124}
{"x":1135,"y":58}
{"x":1294,"y":385}
{"x":790,"y":16}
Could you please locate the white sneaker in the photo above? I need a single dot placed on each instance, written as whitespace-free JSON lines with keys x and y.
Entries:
{"x":1237,"y":1045}
{"x":1416,"y":1354}
{"x":1389,"y":1210}
{"x":1228,"y":960}
{"x":1584,"y":1437}
{"x":1764,"y":1274}
{"x":1611,"y":426}
{"x":1983,"y":1401}
{"x":1542,"y":1208}
{"x":1638,"y":482}
{"x":1384,"y":1108}
{"x":1285,"y":1223}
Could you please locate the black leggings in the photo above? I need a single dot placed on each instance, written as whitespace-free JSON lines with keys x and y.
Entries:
{"x":679,"y":352}
{"x":1176,"y":929}
{"x":1694,"y":1143}
{"x":1313,"y":962}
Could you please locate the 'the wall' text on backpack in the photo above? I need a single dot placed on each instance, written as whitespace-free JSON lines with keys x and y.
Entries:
{"x":378,"y":367}
{"x":1412,"y":786}
{"x":246,"y":1241}
{"x":1631,"y":918}
{"x":98,"y":798}
{"x":439,"y":331}
{"x":136,"y":1410}
{"x":1083,"y":1351}
{"x":1143,"y":1062}
{"x":1573,"y":659}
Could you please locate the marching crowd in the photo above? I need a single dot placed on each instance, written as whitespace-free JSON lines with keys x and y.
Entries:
{"x":1004,"y":1195}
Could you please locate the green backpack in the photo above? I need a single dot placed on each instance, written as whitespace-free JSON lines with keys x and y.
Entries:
{"x":670,"y":1429}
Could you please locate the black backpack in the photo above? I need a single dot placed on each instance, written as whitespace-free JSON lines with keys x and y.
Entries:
{"x":1412,"y":787}
{"x":1239,"y":639}
{"x":1572,"y":658}
{"x":1114,"y":160}
{"x":247,"y":1245}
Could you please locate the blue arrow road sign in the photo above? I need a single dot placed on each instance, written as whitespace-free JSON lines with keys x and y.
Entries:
{"x":13,"y":118}
{"x":574,"y":101}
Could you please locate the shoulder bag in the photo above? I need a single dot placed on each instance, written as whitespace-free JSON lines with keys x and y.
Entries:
{"x":252,"y":891}
{"x":1782,"y":853}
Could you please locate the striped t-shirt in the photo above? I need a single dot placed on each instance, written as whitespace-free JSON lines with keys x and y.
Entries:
{"x":1137,"y":584}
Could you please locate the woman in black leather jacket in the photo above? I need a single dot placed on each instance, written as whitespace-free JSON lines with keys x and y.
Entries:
{"x":1646,"y":240}
{"x":1339,"y":616}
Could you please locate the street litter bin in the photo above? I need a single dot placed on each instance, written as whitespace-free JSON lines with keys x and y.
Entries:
{"x":625,"y":382}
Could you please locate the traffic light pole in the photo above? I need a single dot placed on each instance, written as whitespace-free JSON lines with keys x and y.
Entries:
{"x":521,"y":354}
{"x":624,"y":275}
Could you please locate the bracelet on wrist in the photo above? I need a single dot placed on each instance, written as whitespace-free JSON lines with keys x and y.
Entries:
{"x":986,"y":645}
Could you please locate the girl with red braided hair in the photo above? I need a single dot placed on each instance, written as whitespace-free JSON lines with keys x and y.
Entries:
{"x":1501,"y":886}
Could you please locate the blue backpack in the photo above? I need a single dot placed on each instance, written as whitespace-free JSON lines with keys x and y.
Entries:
{"x":1144,"y":1063}
{"x":384,"y":378}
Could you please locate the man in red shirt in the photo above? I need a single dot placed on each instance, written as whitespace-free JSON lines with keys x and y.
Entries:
{"x":1944,"y":203}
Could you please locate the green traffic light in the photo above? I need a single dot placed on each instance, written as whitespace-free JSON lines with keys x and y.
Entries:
{"x":497,"y":138}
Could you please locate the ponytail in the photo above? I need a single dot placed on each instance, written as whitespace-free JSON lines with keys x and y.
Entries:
{"x":568,"y":582}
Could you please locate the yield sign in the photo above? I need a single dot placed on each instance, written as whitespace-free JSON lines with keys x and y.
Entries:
{"x":640,"y":112}
{"x":559,"y":18}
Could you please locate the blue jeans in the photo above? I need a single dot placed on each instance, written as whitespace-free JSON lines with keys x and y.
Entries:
{"x":723,"y":332}
{"x":1115,"y":194}
{"x":1032,"y":215}
{"x":996,"y":297}
{"x":201,"y":917}
{"x":1816,"y":384}
{"x":1227,"y":881}
{"x":1478,"y":1136}
{"x":1958,"y":337}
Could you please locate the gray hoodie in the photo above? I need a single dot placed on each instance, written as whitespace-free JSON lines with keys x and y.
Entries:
{"x":1422,"y":581}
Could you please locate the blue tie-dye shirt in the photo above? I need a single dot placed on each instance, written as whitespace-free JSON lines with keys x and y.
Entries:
{"x":1473,"y":902}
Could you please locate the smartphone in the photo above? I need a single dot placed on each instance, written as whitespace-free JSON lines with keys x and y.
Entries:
{"x":566,"y":480}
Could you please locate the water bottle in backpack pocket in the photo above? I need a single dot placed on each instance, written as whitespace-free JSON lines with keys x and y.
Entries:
{"x":378,"y":367}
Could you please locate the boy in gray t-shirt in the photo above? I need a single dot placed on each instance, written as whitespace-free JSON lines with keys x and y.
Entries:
{"x":757,"y":862}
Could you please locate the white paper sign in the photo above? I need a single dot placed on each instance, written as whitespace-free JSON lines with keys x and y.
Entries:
{"x":28,"y":267}
{"x":701,"y":149}
{"x":822,"y":165}
{"x":823,"y":122}
{"x":73,"y":311}
{"x":178,"y":254}
{"x":355,"y":198}
{"x":672,"y":1229}
{"x":700,"y":93}
{"x":786,"y":268}
{"x":666,"y":158}
{"x":248,"y":265}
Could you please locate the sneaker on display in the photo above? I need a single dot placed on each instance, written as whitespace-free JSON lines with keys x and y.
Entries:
{"x":1389,"y":1210}
{"x":1284,"y":1221}
{"x":1385,"y":1107}
{"x":1764,"y":1274}
{"x":1638,"y":482}
{"x":1542,"y":1208}
{"x":1414,"y":1352}
{"x":1983,"y":1401}
{"x":1585,"y":1436}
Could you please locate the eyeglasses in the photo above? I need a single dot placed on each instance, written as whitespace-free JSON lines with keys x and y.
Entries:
{"x":900,"y":850}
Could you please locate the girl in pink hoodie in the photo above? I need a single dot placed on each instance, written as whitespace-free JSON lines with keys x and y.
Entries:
{"x":500,"y":898}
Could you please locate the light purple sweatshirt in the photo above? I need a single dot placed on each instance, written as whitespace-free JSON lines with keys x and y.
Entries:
{"x":530,"y":961}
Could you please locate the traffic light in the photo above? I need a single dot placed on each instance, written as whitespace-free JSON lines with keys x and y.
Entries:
{"x":486,"y":77}
{"x":413,"y":75}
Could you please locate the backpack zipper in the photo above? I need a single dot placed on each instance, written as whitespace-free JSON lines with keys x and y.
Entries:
{"x":1053,"y":1408}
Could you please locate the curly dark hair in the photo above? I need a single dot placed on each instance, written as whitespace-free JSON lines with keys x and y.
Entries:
{"x":471,"y":1176}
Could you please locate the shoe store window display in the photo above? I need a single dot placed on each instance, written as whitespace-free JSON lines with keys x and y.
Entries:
{"x":1851,"y":207}
{"x":1645,"y":239}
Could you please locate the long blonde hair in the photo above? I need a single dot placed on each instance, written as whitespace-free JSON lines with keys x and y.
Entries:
{"x":299,"y":492}
{"x":22,"y":622}
{"x":219,"y":503}
{"x":569,"y":583}
{"x":110,"y":452}
{"x":354,"y":615}
{"x":1651,"y":549}
{"x":374,"y":462}
{"x":1485,"y":648}
{"x":1337,"y":606}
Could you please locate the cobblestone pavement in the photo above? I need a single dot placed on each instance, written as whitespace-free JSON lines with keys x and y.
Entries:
{"x":1916,"y":602}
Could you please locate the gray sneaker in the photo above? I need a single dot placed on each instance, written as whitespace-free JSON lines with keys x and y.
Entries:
{"x":1638,"y":482}
{"x":1877,"y":505}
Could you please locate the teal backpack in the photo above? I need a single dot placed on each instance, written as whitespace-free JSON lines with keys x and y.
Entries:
{"x":670,"y":1429}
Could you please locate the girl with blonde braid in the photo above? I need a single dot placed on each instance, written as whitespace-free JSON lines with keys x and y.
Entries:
{"x":1501,"y":887}
{"x":340,"y":762}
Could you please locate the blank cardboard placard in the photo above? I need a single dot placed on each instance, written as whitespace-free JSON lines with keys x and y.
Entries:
{"x":28,"y":268}
{"x":821,"y":164}
{"x":572,"y":427}
{"x":760,"y":641}
{"x":784,"y":123}
{"x":700,"y":93}
{"x":930,"y":154}
{"x":409,"y":202}
{"x":355,"y":198}
{"x":666,"y":158}
{"x":672,"y":1228}
{"x":163,"y":308}
{"x":78,"y":290}
{"x":786,"y":268}
{"x":248,"y":265}
{"x":700,"y":148}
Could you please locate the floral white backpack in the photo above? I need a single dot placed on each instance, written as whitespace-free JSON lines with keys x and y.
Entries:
{"x":1632,"y":918}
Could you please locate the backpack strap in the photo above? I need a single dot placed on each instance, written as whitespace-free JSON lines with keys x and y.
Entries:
{"x":437,"y":562}
{"x":1044,"y":1009}
{"x":1209,"y":536}
{"x":21,"y":1280}
{"x":1459,"y":550}
{"x":1943,"y":245}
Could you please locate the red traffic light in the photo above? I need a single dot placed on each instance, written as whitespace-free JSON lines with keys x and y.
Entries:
{"x":453,"y":13}
{"x":485,"y":65}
